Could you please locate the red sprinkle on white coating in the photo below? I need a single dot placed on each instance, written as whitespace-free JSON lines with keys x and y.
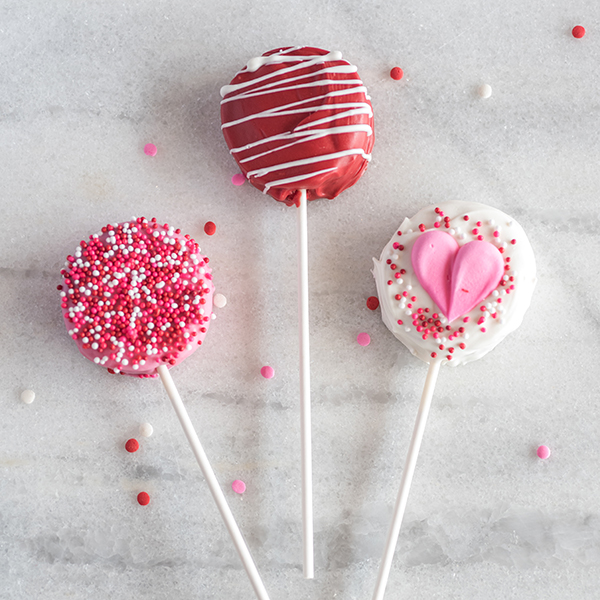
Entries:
{"x":137,"y":295}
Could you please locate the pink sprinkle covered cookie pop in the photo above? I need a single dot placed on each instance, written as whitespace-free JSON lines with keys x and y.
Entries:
{"x":453,"y":282}
{"x":137,"y":300}
{"x":299,"y":124}
{"x":136,"y":296}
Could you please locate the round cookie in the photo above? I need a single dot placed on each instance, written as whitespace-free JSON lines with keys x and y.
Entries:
{"x":455,"y":280}
{"x":137,"y":295}
{"x":298,"y":118}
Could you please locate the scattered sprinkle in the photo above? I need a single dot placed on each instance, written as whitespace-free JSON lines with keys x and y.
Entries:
{"x":146,"y":429}
{"x":27,"y":396}
{"x":132,"y":445}
{"x":578,"y":31}
{"x":364,"y":339}
{"x":143,"y":498}
{"x":267,"y":372}
{"x":219,"y":300}
{"x":238,"y":486}
{"x":543,"y":452}
{"x":485,"y":90}
{"x":238,"y":179}
{"x":397,"y":73}
{"x":210,"y":228}
{"x":150,"y":150}
{"x":372,"y":302}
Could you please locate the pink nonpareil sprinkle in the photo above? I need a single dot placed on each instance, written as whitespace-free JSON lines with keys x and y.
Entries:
{"x":238,"y":486}
{"x":150,"y":150}
{"x":267,"y":372}
{"x":364,"y":339}
{"x":543,"y":452}
{"x":238,"y":179}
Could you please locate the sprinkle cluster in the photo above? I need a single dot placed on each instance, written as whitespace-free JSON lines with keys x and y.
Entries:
{"x":426,"y":320}
{"x":137,"y":295}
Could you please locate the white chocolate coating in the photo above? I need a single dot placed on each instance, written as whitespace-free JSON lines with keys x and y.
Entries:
{"x":481,"y":329}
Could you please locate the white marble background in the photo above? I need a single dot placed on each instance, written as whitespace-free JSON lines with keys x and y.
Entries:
{"x":83,"y":86}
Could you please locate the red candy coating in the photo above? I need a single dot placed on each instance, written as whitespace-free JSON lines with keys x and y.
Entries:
{"x":298,"y":118}
{"x":137,"y":295}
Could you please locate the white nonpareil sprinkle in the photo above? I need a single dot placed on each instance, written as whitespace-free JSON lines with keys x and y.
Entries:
{"x":219,"y":300}
{"x":485,"y":90}
{"x":146,"y":429}
{"x":27,"y":396}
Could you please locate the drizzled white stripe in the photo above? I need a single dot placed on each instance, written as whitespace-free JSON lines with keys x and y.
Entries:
{"x":272,"y":87}
{"x":297,"y":133}
{"x":307,"y":161}
{"x":309,"y":136}
{"x":281,"y":110}
{"x":294,"y":179}
{"x":228,"y":89}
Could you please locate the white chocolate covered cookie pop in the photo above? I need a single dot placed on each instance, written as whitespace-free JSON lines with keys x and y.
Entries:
{"x":455,"y":280}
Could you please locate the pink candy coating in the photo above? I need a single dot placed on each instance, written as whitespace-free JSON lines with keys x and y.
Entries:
{"x":238,"y":486}
{"x":543,"y":452}
{"x":364,"y":339}
{"x":267,"y":372}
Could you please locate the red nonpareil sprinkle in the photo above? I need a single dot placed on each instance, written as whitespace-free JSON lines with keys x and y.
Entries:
{"x":132,"y":445}
{"x":466,"y":217}
{"x":434,"y":355}
{"x":578,"y":31}
{"x":372,"y":302}
{"x":513,"y":242}
{"x":210,"y":228}
{"x":397,"y":73}
{"x":421,"y":227}
{"x":143,"y":498}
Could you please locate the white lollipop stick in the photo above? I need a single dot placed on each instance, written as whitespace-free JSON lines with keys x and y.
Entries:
{"x":407,"y":475}
{"x":305,"y":421}
{"x":213,"y":484}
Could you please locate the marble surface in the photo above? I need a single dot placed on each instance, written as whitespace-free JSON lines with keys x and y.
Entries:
{"x":83,"y":86}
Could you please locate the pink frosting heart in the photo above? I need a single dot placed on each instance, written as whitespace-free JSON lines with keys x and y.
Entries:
{"x":456,"y":277}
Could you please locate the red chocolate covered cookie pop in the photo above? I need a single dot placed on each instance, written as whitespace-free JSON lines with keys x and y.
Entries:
{"x":298,"y":119}
{"x":299,"y":123}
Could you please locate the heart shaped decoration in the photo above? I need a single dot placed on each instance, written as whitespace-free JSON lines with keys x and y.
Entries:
{"x":456,"y":277}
